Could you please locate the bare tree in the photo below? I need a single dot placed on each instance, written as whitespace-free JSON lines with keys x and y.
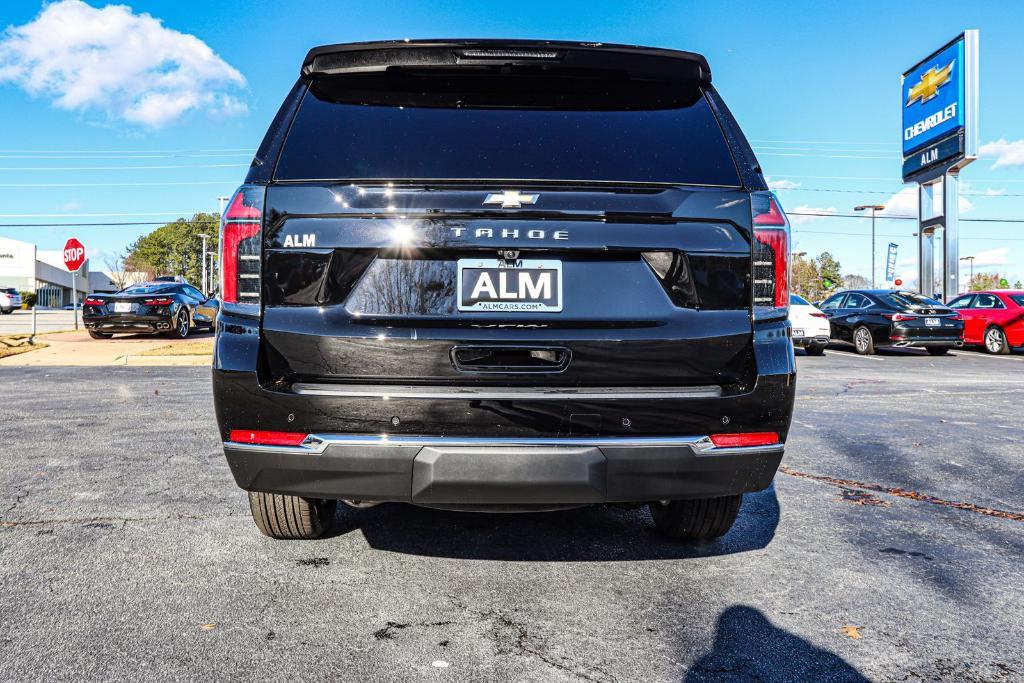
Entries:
{"x":117,"y":270}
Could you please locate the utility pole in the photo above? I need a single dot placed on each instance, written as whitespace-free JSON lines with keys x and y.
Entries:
{"x":223,"y":202}
{"x":204,"y":237}
{"x":874,"y":208}
{"x":970,"y":282}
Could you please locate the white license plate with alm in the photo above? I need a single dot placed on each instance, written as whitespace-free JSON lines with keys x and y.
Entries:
{"x":528,"y":285}
{"x":931,"y":322}
{"x":798,"y":333}
{"x":122,"y":307}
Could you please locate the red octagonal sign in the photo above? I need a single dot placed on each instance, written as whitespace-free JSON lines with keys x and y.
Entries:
{"x":74,"y":254}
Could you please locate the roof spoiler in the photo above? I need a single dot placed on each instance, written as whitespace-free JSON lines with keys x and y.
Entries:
{"x":643,"y":63}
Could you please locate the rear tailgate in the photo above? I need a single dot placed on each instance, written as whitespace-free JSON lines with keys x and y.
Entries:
{"x":360,"y":285}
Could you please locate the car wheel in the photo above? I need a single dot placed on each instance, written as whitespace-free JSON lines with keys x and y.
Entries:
{"x":995,"y":341}
{"x":183,"y":325}
{"x":937,"y":350}
{"x":6,"y":311}
{"x":695,"y":520}
{"x":100,"y":335}
{"x":863,"y":342}
{"x":291,"y":517}
{"x":814,"y":349}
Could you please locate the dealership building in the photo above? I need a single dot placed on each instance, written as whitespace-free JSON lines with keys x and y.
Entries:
{"x":29,"y":269}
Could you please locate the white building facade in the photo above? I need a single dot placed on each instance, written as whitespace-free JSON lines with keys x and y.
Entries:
{"x":29,"y":269}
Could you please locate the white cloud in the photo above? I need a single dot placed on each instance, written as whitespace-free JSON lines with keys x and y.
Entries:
{"x":782,"y":184}
{"x":803,"y":208}
{"x":1004,"y":152}
{"x":990,"y":257}
{"x":124,"y":64}
{"x":994,"y":192}
{"x":73,"y":205}
{"x":905,"y":203}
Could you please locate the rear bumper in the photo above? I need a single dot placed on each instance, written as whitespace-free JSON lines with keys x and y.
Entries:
{"x":139,"y":324}
{"x":452,"y":472}
{"x":807,"y":341}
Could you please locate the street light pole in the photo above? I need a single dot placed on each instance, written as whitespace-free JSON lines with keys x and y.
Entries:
{"x":204,"y":237}
{"x":970,"y":282}
{"x":874,"y":208}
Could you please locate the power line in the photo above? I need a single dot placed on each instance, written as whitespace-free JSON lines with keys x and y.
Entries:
{"x":153,"y":184}
{"x":124,"y":151}
{"x":125,"y":156}
{"x":824,"y":142}
{"x":884,"y":192}
{"x":118,"y":168}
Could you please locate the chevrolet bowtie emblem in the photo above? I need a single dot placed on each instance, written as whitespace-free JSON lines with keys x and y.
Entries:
{"x":931,"y":80}
{"x":511,"y":199}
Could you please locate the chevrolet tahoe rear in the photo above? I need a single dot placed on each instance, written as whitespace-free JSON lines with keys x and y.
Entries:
{"x":503,"y":276}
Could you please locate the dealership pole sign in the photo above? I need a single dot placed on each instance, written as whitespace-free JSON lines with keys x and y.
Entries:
{"x":890,"y":262}
{"x":939,"y":102}
{"x":940,"y":107}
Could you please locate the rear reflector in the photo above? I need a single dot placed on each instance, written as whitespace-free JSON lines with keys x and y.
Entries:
{"x":267,"y":438}
{"x":158,"y":302}
{"x":745,"y":439}
{"x":92,"y":302}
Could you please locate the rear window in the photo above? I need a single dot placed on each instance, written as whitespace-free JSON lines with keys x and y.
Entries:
{"x":1017,"y":299}
{"x":148,"y":288}
{"x":505,"y":127}
{"x":910,"y":300}
{"x":797,"y":300}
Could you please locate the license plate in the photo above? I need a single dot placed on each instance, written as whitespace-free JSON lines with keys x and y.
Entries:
{"x":533,"y":286}
{"x":798,"y":333}
{"x":932,"y":322}
{"x":122,"y":307}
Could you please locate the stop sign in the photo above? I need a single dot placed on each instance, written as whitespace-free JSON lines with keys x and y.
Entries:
{"x":74,"y":254}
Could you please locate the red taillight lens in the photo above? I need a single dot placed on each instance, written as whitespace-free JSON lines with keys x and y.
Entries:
{"x":771,"y":257}
{"x":158,"y":302}
{"x":240,"y":231}
{"x":818,"y":315}
{"x":745,"y":439}
{"x":265,"y":438}
{"x":898,"y":317}
{"x":92,"y":302}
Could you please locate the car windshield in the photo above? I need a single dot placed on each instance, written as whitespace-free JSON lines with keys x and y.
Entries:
{"x":148,"y":288}
{"x":910,"y":300}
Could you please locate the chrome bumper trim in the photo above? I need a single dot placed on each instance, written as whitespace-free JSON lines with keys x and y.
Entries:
{"x":385,"y":392}
{"x":318,"y":443}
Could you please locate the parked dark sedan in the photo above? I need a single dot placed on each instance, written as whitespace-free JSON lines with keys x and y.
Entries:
{"x":881,"y":317}
{"x":170,"y":308}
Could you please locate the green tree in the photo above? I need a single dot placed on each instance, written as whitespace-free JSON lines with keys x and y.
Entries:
{"x":983,"y":281}
{"x":806,"y":279}
{"x":1018,"y":285}
{"x":830,"y":270}
{"x":855,"y":282}
{"x":175,"y":248}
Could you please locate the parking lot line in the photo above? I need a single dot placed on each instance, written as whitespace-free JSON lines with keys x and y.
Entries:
{"x":855,"y":355}
{"x":962,"y":354}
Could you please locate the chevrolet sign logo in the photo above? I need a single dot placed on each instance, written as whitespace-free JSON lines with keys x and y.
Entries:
{"x":511,"y":199}
{"x":931,"y":80}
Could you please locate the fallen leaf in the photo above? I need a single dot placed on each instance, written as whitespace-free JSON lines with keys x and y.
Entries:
{"x":851,"y":632}
{"x":210,"y":627}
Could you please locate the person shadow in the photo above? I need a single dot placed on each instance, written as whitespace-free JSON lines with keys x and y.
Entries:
{"x":589,"y":534}
{"x":749,"y":647}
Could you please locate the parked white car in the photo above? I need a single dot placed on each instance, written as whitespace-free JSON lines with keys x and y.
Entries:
{"x":810,"y":326}
{"x":10,"y":300}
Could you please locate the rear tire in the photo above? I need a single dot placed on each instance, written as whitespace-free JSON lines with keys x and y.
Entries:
{"x":6,"y":311}
{"x":937,"y":350}
{"x":100,"y":335}
{"x":696,"y":520}
{"x":814,"y":349}
{"x":863,"y":341}
{"x":995,"y":341}
{"x":291,"y":517}
{"x":182,"y":325}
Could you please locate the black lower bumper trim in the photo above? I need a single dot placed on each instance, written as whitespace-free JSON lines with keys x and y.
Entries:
{"x":499,"y":475}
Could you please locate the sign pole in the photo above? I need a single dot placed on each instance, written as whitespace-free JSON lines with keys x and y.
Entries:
{"x":951,"y":237}
{"x":74,"y":298}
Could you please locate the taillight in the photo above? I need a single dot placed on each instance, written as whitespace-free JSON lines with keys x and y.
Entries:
{"x":818,"y":315}
{"x":158,"y":302}
{"x":898,"y":317}
{"x":265,"y":438}
{"x":92,"y":302}
{"x":241,"y":227}
{"x":734,"y":440}
{"x":771,"y":257}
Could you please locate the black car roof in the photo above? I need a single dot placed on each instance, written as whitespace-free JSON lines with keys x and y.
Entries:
{"x":636,"y":60}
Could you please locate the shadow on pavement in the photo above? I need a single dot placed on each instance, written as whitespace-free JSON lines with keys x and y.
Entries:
{"x":749,"y":647}
{"x":598,"y":533}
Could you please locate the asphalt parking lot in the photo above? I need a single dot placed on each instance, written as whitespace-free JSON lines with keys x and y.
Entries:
{"x":889,"y":548}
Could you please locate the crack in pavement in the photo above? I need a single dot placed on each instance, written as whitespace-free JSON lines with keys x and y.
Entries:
{"x":905,"y":493}
{"x":101,"y":520}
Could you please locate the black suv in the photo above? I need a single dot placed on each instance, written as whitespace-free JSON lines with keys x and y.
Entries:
{"x":504,"y":276}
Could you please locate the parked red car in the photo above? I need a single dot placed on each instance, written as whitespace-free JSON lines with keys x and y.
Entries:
{"x":992,"y":319}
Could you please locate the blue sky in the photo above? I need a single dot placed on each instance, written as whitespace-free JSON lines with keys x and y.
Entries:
{"x":814,"y":85}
